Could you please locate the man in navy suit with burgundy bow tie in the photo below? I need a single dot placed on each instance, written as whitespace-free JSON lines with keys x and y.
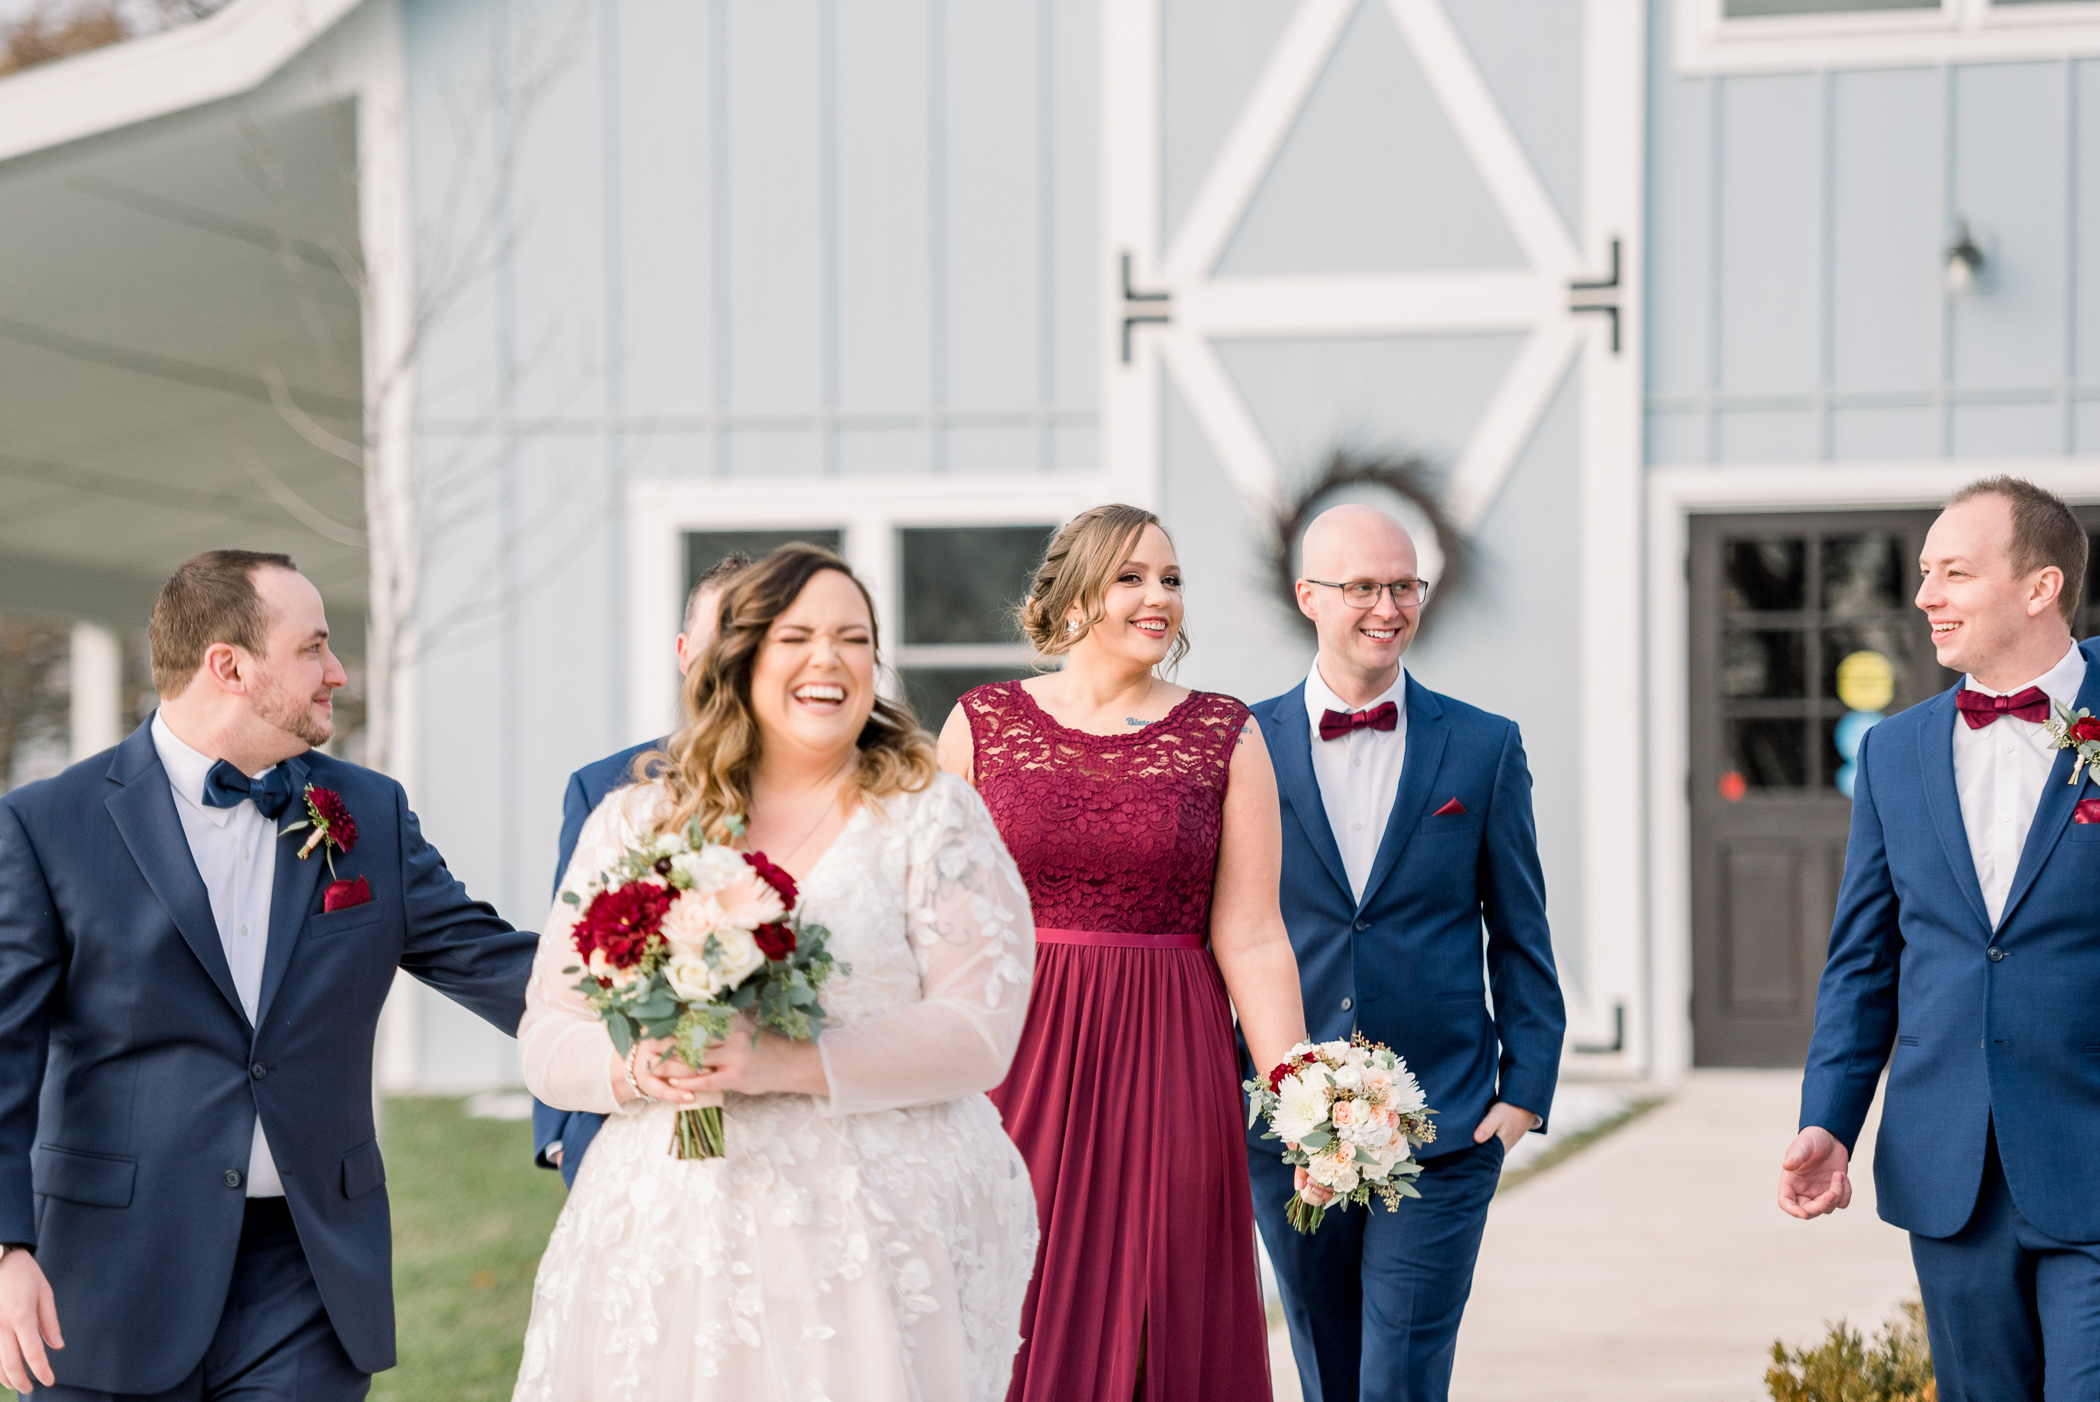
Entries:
{"x":1407,"y":831}
{"x":1965,"y":958}
{"x":197,"y":931}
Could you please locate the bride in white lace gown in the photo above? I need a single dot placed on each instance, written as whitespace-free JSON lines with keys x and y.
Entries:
{"x":870,"y":1232}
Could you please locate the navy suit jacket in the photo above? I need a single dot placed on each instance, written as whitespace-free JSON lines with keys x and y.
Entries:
{"x":1403,"y":965}
{"x":588,"y":786}
{"x":130,"y":1078}
{"x":1987,"y":1027}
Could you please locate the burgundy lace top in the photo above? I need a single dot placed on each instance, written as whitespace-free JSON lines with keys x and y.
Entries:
{"x":1111,"y":832}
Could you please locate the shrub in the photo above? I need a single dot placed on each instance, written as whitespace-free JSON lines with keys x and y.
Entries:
{"x":1897,"y":1367}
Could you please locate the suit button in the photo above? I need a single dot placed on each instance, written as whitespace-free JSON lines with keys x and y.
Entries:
{"x":258,"y":1070}
{"x":1347,"y":1003}
{"x":1994,"y":954}
{"x":1363,"y":924}
{"x":231,"y":1178}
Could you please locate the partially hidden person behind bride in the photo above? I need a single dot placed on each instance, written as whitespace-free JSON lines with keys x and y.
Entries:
{"x":1143,"y":815}
{"x":870,"y":1231}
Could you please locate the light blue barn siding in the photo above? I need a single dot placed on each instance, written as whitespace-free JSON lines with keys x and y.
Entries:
{"x":1798,"y":226}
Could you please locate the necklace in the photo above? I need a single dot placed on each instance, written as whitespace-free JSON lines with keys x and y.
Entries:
{"x":823,"y":815}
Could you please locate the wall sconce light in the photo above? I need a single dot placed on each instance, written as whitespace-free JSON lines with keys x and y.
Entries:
{"x":1964,"y":264}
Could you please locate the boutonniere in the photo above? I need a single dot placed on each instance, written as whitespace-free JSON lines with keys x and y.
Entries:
{"x":2078,"y":733}
{"x":332,"y":825}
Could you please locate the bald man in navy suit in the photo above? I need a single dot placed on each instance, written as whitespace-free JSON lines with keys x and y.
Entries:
{"x":560,"y":1137}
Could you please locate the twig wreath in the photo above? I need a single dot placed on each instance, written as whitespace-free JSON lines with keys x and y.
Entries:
{"x":1410,"y":478}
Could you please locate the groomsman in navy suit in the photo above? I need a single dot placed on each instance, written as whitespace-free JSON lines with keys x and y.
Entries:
{"x":1967,"y":942}
{"x":1407,"y":830}
{"x":560,"y":1137}
{"x":191,"y":1191}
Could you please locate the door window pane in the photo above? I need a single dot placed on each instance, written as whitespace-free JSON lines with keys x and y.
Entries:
{"x":1764,"y":576}
{"x":1763,"y":663}
{"x":1863,"y":574}
{"x":1749,"y":9}
{"x":706,"y":549}
{"x":1770,"y":754}
{"x":961,"y":584}
{"x":933,"y":691}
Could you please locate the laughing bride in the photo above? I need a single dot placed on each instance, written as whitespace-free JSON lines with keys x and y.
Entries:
{"x":870,"y":1231}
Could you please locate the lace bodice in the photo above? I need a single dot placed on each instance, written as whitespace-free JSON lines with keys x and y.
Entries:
{"x":873,"y":1245}
{"x":1110,"y":832}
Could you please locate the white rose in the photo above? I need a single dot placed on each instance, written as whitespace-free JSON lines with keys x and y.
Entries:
{"x":1301,"y":1105}
{"x":1350,"y":1077}
{"x":709,"y":869}
{"x":692,"y":978}
{"x":737,"y":956}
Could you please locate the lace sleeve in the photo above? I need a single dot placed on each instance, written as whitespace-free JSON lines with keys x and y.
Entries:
{"x":566,"y":1052}
{"x":970,"y":929}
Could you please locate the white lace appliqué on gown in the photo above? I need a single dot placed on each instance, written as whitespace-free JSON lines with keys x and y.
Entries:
{"x":869,"y":1247}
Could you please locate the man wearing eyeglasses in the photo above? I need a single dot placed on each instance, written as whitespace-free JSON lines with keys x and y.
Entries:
{"x":1407,"y":828}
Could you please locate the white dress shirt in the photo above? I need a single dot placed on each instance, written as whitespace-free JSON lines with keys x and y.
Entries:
{"x":235,"y":850}
{"x":1359,"y":773}
{"x":1999,"y":773}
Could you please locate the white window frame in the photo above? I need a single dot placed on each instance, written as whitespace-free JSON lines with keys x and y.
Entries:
{"x":868,"y":511}
{"x":1956,"y":31}
{"x":1675,"y":495}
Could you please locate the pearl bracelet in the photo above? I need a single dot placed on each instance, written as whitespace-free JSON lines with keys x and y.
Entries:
{"x":633,"y":1084}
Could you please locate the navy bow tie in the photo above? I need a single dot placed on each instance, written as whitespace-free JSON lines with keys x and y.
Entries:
{"x":227,"y":787}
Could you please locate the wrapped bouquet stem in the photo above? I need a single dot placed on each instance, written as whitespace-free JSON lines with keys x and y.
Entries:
{"x":682,"y":934}
{"x":1350,"y":1114}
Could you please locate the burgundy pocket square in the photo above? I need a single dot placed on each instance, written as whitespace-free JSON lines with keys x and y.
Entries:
{"x":1452,"y":807}
{"x":2087,"y":811}
{"x":342,"y":895}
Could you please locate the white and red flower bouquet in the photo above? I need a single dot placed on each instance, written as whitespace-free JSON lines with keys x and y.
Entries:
{"x":682,"y":934}
{"x":1350,"y":1114}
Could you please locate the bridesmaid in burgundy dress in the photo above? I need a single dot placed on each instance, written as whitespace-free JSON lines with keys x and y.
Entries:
{"x":1143,"y":817}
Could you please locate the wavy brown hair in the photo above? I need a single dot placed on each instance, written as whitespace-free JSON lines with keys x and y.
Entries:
{"x":1078,"y":566}
{"x":707,"y":765}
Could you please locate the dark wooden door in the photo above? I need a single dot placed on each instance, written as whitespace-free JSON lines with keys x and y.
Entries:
{"x":1803,"y":637}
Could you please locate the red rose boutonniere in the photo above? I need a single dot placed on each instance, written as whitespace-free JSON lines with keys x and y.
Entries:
{"x":332,"y":825}
{"x":2079,"y":733}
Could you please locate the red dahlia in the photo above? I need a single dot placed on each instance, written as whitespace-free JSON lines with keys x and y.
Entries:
{"x":328,"y":808}
{"x":775,"y":941}
{"x":782,"y":884}
{"x":621,"y":920}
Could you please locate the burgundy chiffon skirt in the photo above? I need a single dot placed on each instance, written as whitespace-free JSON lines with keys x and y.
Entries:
{"x":1124,"y":1098}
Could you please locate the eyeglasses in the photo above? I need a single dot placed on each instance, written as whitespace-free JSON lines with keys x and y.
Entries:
{"x":1363,"y":593}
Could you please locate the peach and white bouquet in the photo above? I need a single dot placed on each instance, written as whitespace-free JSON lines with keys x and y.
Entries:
{"x":1350,"y":1114}
{"x":679,"y":936}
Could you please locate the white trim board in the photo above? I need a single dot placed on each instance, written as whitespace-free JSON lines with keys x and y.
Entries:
{"x":868,"y":510}
{"x":1956,"y":31}
{"x":233,"y":52}
{"x":1674,"y":496}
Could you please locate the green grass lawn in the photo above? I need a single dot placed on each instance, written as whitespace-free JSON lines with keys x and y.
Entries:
{"x":471,"y":1215}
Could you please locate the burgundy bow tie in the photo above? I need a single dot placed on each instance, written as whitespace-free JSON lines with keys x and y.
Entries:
{"x":1335,"y":724}
{"x":1980,"y":710}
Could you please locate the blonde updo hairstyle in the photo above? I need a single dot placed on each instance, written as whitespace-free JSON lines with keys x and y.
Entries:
{"x":707,"y":765}
{"x":1082,"y":560}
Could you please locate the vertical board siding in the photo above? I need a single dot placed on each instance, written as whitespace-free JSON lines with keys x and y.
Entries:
{"x":1770,"y":235}
{"x":1888,"y":191}
{"x":2007,"y":178}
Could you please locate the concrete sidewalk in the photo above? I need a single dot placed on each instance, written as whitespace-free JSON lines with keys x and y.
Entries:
{"x":1657,"y":1265}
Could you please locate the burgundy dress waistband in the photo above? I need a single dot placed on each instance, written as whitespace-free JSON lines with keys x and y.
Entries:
{"x":1119,"y":939}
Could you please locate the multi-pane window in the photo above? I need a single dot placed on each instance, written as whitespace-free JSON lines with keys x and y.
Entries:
{"x":706,"y":549}
{"x":959,"y":587}
{"x":1747,"y":9}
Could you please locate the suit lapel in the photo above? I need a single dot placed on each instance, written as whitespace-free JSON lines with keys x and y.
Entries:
{"x":2053,"y":814}
{"x":1426,"y":736}
{"x":1290,"y":750}
{"x":1936,"y":762}
{"x":291,"y":893}
{"x":144,"y":812}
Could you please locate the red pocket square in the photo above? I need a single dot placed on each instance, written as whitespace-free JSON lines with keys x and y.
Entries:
{"x":2087,"y":811}
{"x":342,"y":895}
{"x":1452,"y":807}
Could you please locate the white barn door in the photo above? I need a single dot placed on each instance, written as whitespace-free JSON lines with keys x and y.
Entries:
{"x":1558,"y":283}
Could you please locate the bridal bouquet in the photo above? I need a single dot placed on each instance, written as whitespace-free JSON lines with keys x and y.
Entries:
{"x":679,"y":936}
{"x":1351,"y":1115}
